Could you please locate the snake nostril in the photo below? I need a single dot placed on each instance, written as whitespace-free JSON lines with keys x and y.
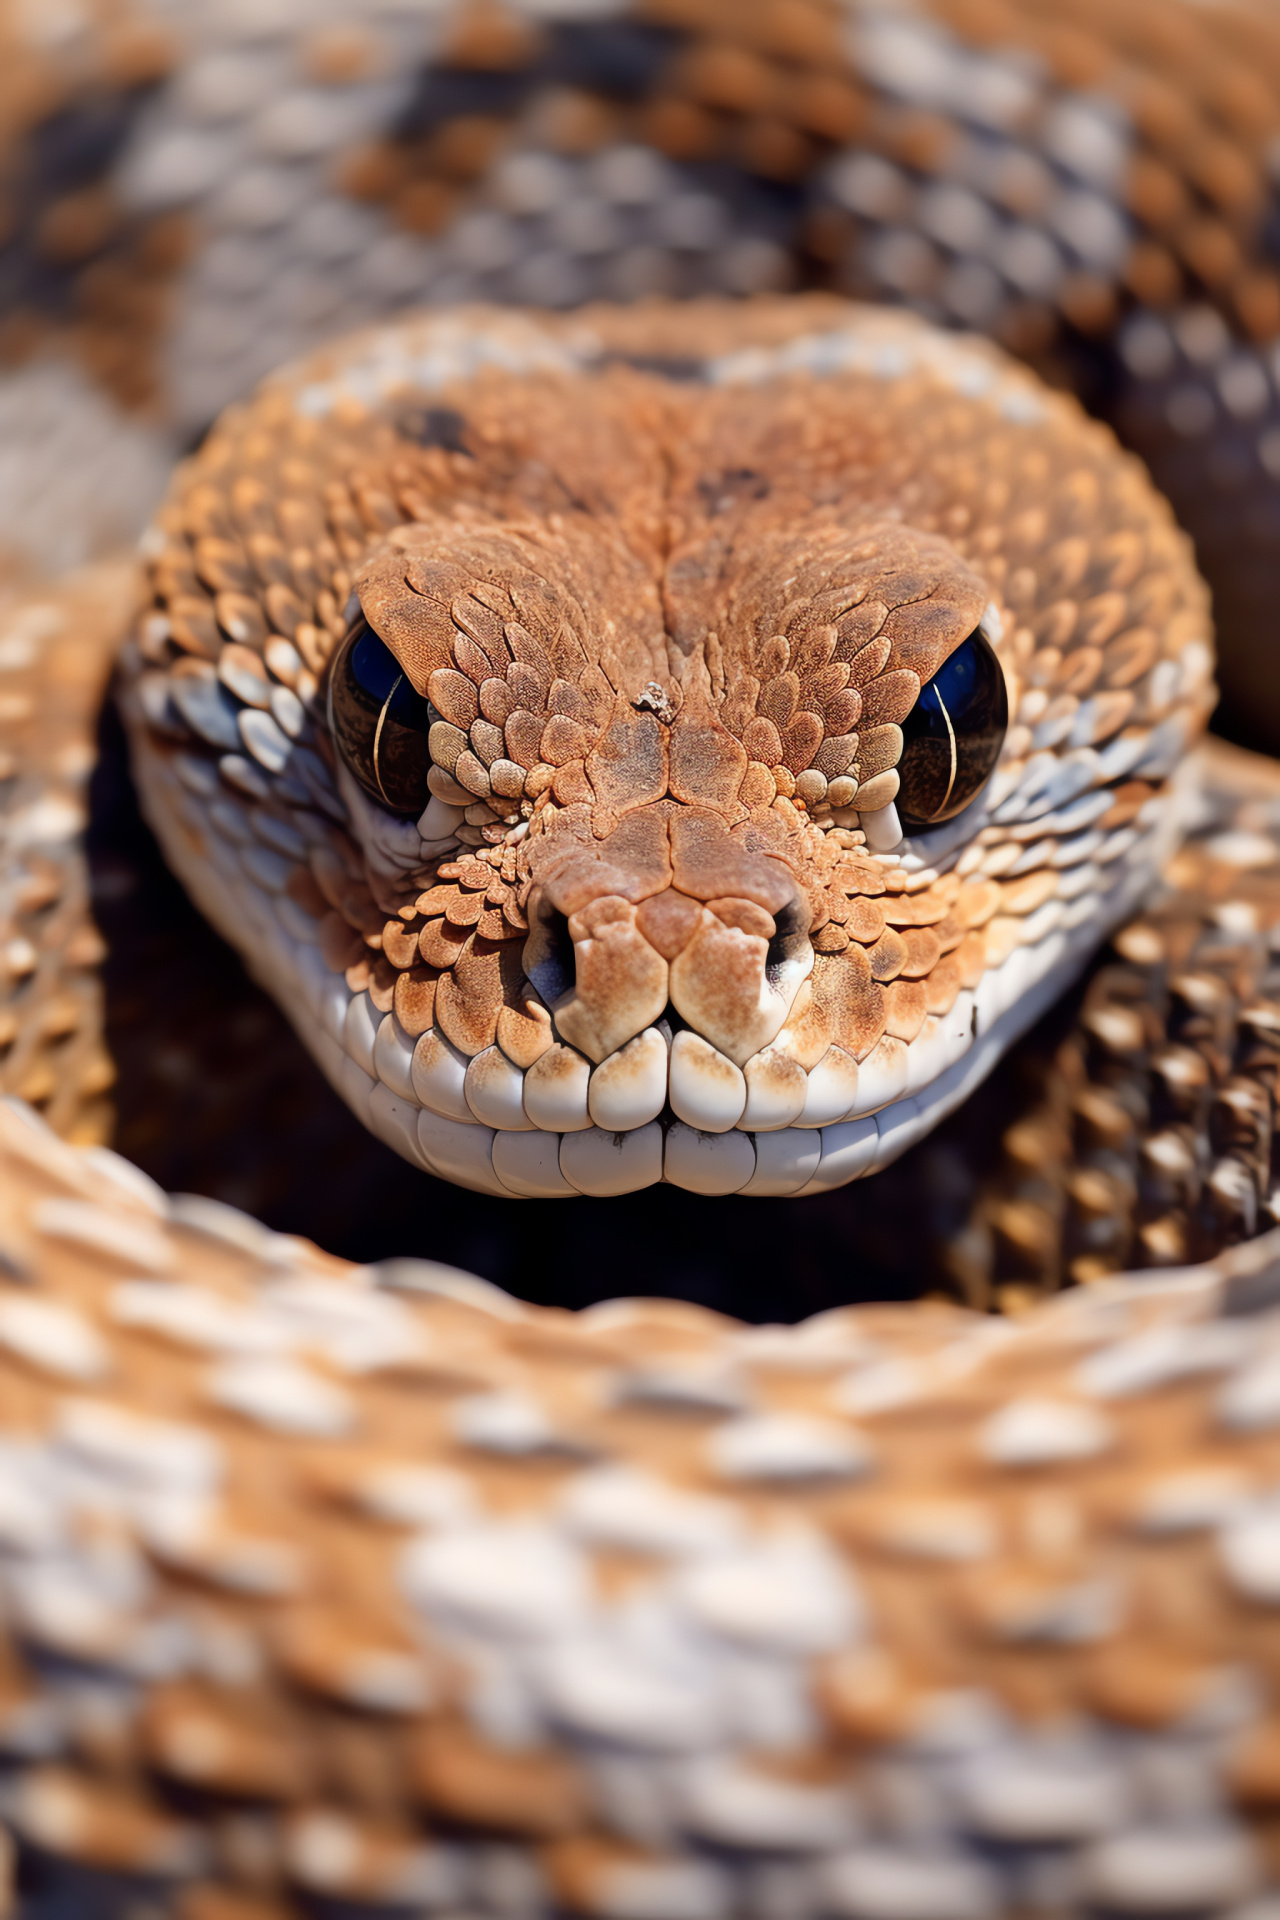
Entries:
{"x":790,"y":943}
{"x":548,"y":951}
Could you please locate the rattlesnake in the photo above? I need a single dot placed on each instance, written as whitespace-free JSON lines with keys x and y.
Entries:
{"x":539,"y":704}
{"x":566,"y":814}
{"x":202,"y":191}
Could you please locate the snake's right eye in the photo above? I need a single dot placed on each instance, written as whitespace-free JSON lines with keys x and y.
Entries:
{"x":379,"y":722}
{"x":952,"y":737}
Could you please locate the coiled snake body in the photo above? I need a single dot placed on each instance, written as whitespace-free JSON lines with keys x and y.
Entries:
{"x":684,"y":744}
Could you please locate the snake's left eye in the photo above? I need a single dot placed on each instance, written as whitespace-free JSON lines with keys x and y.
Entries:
{"x":952,"y":737}
{"x":379,"y":722}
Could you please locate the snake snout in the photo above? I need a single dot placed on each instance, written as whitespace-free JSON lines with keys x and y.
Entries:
{"x":735,"y":980}
{"x":601,"y":978}
{"x":725,"y":972}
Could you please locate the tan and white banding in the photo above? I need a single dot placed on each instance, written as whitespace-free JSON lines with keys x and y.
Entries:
{"x":675,"y":765}
{"x":380,"y":1587}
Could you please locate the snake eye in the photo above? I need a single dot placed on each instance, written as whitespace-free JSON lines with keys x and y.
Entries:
{"x":379,"y":723}
{"x":952,"y":736}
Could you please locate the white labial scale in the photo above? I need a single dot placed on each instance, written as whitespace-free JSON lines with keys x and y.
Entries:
{"x":630,"y":1088}
{"x":356,"y":1087}
{"x":709,"y":1163}
{"x":992,"y":996}
{"x":1039,"y":925}
{"x":603,"y":1164}
{"x":556,"y":1090}
{"x":528,"y":1165}
{"x":395,"y":1121}
{"x":900,"y":1126}
{"x":942,"y":1042}
{"x":438,"y":1074}
{"x":133,"y":1241}
{"x":786,"y":1162}
{"x":393,"y":1058}
{"x":281,"y":1394}
{"x":882,"y":828}
{"x":831,"y":1089}
{"x":494,"y":1090}
{"x":360,"y":1031}
{"x":1074,"y":852}
{"x":926,"y":1055}
{"x":459,"y":1152}
{"x":1043,"y":960}
{"x":882,"y":1076}
{"x":707,"y":1090}
{"x":776,"y":1090}
{"x":848,"y":1151}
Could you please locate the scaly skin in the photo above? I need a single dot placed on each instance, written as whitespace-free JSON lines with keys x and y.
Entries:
{"x":670,"y":628}
{"x":408,"y":1597}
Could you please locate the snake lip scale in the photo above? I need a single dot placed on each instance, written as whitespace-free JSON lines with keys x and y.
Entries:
{"x":658,"y":917}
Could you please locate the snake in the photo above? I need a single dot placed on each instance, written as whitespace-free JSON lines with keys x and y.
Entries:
{"x":692,"y":777}
{"x":202,"y":195}
{"x":679,"y":743}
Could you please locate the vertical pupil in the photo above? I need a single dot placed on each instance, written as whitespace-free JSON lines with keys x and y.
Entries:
{"x":952,"y":736}
{"x":380,"y":723}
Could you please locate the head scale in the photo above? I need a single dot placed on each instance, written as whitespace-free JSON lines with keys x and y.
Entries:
{"x":658,"y":805}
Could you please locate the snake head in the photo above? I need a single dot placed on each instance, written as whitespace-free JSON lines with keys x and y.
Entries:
{"x":696,"y":779}
{"x":645,"y":758}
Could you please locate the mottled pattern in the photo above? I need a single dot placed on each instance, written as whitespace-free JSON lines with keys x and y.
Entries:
{"x":377,"y":1588}
{"x":659,"y":918}
{"x":56,"y":649}
{"x":198,"y":191}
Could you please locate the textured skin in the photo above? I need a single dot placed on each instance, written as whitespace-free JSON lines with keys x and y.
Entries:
{"x":663,"y":625}
{"x":56,"y":648}
{"x":198,"y":192}
{"x":378,"y":1588}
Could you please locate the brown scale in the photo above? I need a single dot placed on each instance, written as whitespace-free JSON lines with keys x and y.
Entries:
{"x":1149,"y":1136}
{"x":59,"y":645}
{"x":534,"y":597}
{"x":263,"y":1777}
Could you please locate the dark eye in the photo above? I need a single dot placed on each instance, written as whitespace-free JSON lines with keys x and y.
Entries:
{"x":952,"y":736}
{"x":380,"y":723}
